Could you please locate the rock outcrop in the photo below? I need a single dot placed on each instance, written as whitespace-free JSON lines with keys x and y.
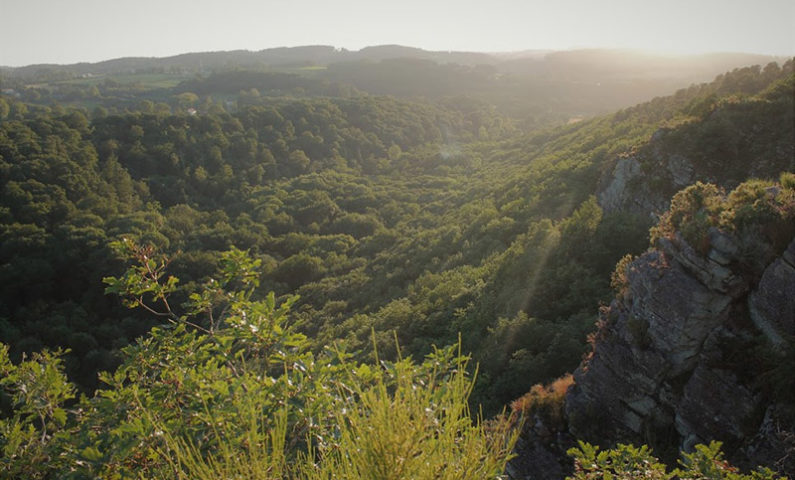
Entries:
{"x":687,"y":352}
{"x":623,"y":189}
{"x":644,"y":181}
{"x":771,"y":305}
{"x":698,"y":345}
{"x":712,"y":149}
{"x":675,"y":360}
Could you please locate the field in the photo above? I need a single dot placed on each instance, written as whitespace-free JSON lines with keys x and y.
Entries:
{"x":149,"y":81}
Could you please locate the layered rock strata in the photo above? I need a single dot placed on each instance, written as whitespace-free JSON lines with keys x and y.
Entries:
{"x":672,"y":363}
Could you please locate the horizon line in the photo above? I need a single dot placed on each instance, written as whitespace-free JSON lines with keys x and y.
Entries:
{"x":493,"y":53}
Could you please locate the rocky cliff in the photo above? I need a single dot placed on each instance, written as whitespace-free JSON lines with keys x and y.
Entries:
{"x":713,"y":142}
{"x":674,"y":363}
{"x":699,"y":343}
{"x":696,"y":344}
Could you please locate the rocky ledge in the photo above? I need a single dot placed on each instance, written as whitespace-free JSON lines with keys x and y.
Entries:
{"x":698,"y":344}
{"x":678,"y":356}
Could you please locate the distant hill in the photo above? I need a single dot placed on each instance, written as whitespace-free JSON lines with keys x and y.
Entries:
{"x":273,"y":57}
{"x":535,"y":87}
{"x":617,"y":62}
{"x":630,"y":66}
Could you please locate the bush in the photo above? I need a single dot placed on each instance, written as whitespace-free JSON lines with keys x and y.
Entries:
{"x":693,"y":210}
{"x":546,"y":402}
{"x":228,"y":390}
{"x":406,"y":425}
{"x":626,"y":462}
{"x":754,"y":210}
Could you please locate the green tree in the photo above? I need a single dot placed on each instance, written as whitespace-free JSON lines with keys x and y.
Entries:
{"x":4,"y":109}
{"x":186,"y":100}
{"x":297,"y":163}
{"x":228,"y":389}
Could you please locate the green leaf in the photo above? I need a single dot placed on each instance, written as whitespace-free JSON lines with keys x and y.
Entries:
{"x":59,"y":414}
{"x":91,"y":454}
{"x":221,"y":387}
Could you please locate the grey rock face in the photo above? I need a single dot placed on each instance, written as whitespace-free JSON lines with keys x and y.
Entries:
{"x":681,"y":170}
{"x":628,"y":188}
{"x":662,"y":368}
{"x":615,"y":194}
{"x":540,"y":458}
{"x":771,"y":305}
{"x":732,"y":407}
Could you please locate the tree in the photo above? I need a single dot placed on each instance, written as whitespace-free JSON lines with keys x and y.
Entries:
{"x":186,"y":100}
{"x":297,"y":163}
{"x":299,"y":269}
{"x":228,"y":389}
{"x":4,"y":109}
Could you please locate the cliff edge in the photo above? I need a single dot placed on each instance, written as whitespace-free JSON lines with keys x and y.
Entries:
{"x":698,"y":344}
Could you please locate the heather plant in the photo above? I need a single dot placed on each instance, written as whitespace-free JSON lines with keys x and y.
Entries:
{"x":545,"y":401}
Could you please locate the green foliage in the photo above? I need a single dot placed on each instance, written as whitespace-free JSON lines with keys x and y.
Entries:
{"x":627,"y":462}
{"x":261,"y":456}
{"x":299,"y":269}
{"x":407,"y":425}
{"x":242,"y":397}
{"x":754,"y":211}
{"x":31,"y":435}
{"x":692,"y":212}
{"x":143,"y":279}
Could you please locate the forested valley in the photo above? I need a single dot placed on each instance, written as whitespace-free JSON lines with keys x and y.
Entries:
{"x":341,"y":235}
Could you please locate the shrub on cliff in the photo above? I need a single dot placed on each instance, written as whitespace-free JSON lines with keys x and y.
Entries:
{"x":626,"y":462}
{"x":546,"y":402}
{"x":756,"y":210}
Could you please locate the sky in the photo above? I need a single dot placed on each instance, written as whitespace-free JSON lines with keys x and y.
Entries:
{"x":70,"y":31}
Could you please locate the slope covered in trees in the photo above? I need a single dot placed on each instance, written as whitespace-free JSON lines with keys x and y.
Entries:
{"x":243,"y":398}
{"x":534,"y":88}
{"x":396,"y":222}
{"x":380,"y":213}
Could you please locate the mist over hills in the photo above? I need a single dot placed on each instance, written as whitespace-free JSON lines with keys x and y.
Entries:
{"x":617,"y":62}
{"x":532,"y":87}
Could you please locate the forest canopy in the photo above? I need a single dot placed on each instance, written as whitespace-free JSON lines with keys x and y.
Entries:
{"x":390,"y":224}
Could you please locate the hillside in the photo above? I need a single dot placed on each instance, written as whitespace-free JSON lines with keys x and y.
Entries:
{"x":534,"y":88}
{"x":402,"y":225}
{"x":697,"y":345}
{"x":703,"y":327}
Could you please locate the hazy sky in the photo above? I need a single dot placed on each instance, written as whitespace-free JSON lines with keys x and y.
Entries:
{"x":68,"y":31}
